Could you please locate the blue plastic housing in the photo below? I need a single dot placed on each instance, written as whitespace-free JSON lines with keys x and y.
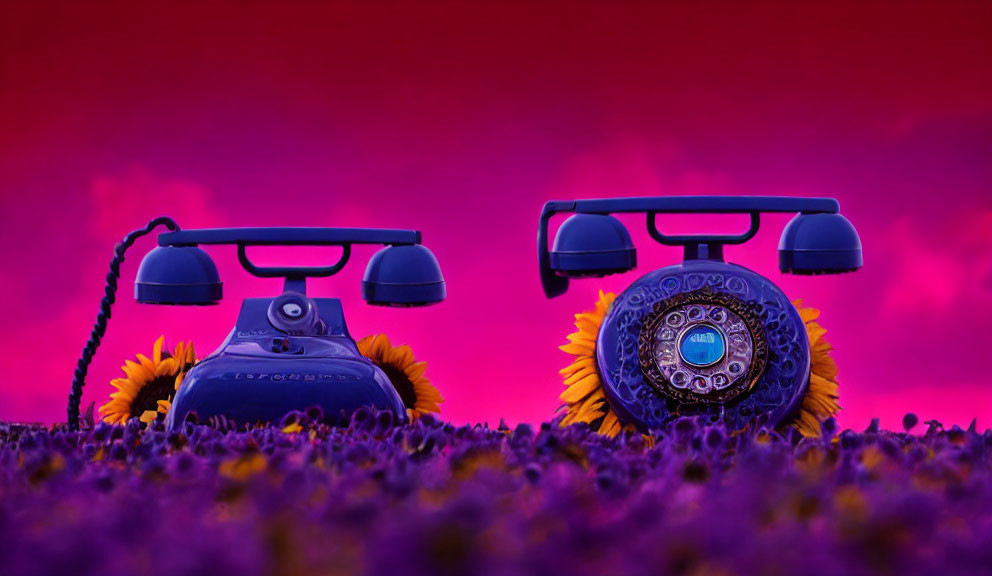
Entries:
{"x":260,"y":373}
{"x":590,"y":245}
{"x":819,"y":244}
{"x":778,"y":391}
{"x":178,"y":275}
{"x":403,"y":276}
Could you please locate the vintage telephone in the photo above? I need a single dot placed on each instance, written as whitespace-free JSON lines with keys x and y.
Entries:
{"x":290,"y":352}
{"x":704,"y":337}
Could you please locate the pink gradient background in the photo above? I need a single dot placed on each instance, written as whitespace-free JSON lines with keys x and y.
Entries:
{"x":461,"y":122}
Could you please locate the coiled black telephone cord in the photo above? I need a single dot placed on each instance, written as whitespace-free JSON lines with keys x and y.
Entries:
{"x":100,"y":326}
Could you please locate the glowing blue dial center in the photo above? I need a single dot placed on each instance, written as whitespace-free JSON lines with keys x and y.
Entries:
{"x":702,"y":345}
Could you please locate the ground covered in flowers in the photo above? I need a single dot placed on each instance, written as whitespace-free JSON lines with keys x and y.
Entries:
{"x":431,"y":498}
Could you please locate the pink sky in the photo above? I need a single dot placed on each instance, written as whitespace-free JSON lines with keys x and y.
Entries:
{"x":461,"y":122}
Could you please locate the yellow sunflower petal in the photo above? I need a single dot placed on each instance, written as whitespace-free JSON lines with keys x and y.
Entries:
{"x":584,"y":398}
{"x":190,"y":353}
{"x":365,"y":345}
{"x":582,"y":338}
{"x":116,"y":418}
{"x":415,"y":370}
{"x":107,"y":409}
{"x":824,"y":365}
{"x":579,"y":390}
{"x":400,"y":356}
{"x":379,"y":345}
{"x":586,"y":325}
{"x":815,"y":332}
{"x":580,"y":364}
{"x":807,"y":314}
{"x":427,"y":391}
{"x":137,"y":373}
{"x":807,"y":424}
{"x":611,"y":425}
{"x":428,"y":406}
{"x":157,"y":349}
{"x":592,"y":402}
{"x":588,"y":416}
{"x":578,"y":349}
{"x":165,"y":368}
{"x":820,"y":401}
{"x":179,"y":353}
{"x":126,"y":386}
{"x":822,"y":345}
{"x":146,"y":362}
{"x":580,"y":375}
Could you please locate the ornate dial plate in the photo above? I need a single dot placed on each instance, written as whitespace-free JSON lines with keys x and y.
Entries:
{"x":728,"y":334}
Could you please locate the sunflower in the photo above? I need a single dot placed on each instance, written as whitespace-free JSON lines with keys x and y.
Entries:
{"x":586,"y":402}
{"x":583,"y":396}
{"x":149,"y":385}
{"x":820,"y":401}
{"x":407,"y":375}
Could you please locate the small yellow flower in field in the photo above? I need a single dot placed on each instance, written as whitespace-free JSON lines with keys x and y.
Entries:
{"x":292,"y":428}
{"x":851,"y":502}
{"x":243,"y":467}
{"x":872,"y":458}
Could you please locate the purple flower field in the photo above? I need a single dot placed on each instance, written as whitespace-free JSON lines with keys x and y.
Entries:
{"x":430,"y":498}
